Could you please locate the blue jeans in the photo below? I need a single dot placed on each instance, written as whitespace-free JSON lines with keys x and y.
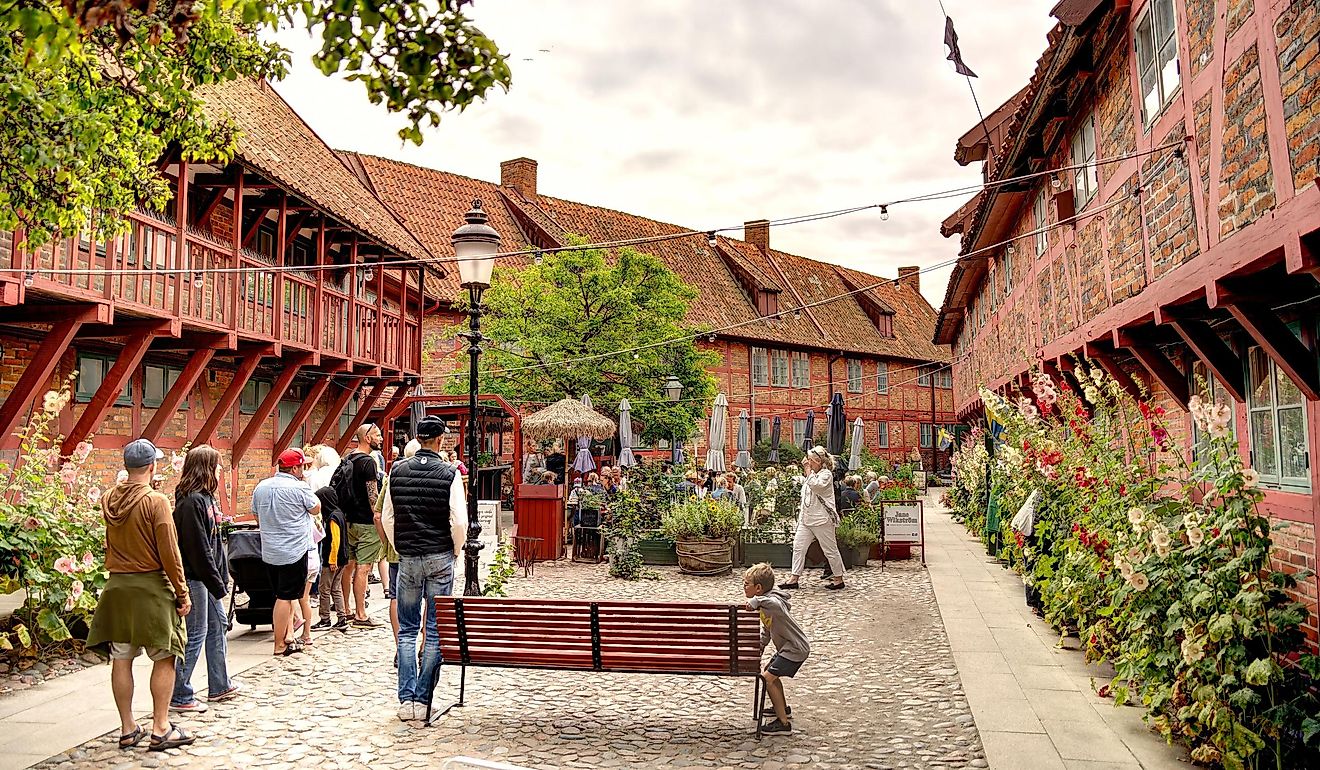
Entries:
{"x":421,"y":580}
{"x":207,"y":624}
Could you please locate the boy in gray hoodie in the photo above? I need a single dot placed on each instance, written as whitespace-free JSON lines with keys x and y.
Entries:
{"x":791,"y":648}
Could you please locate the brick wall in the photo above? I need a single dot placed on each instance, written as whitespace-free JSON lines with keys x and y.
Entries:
{"x":1170,"y":214}
{"x":1200,"y":27}
{"x":1246,"y":183}
{"x":1297,"y":33}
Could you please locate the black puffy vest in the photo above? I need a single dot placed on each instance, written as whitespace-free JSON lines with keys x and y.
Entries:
{"x":419,"y":491}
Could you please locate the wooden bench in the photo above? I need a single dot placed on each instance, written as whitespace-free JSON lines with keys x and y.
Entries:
{"x":622,"y":637}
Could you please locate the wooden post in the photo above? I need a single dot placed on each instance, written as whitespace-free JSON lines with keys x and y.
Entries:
{"x":181,"y":239}
{"x":304,"y":411}
{"x":240,"y":280}
{"x":318,"y":314}
{"x":379,"y":352}
{"x":280,"y":303}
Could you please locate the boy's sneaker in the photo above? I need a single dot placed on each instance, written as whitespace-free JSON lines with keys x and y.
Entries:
{"x":320,"y":624}
{"x":195,"y":707}
{"x":406,"y":711}
{"x":342,"y":625}
{"x":777,"y":727}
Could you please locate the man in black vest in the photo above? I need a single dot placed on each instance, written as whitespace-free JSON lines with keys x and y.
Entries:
{"x":429,"y":524}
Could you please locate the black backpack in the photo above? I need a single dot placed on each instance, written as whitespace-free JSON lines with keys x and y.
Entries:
{"x":341,"y":481}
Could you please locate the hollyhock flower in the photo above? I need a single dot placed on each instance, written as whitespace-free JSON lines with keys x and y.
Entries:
{"x":65,"y":566}
{"x":1251,"y":477}
{"x":1091,"y":393}
{"x":1191,"y":520}
{"x":69,"y":473}
{"x":1160,"y":539}
{"x":1218,"y":419}
{"x":1160,"y":437}
{"x":1195,"y":536}
{"x":1196,"y":406}
{"x":1163,"y":552}
{"x":176,"y":462}
{"x":76,"y":590}
{"x":68,"y":604}
{"x":51,"y":403}
{"x":1139,"y":581}
{"x":1135,"y":555}
{"x":1136,"y":516}
{"x":1192,"y":650}
{"x":31,"y":523}
{"x":88,"y":560}
{"x":94,"y":495}
{"x":81,"y":451}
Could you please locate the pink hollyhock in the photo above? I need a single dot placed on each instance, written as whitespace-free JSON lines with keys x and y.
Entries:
{"x":31,"y":523}
{"x":88,"y":560}
{"x":94,"y":495}
{"x":69,"y":473}
{"x":76,"y":590}
{"x":81,"y":451}
{"x":65,"y":566}
{"x":176,"y":462}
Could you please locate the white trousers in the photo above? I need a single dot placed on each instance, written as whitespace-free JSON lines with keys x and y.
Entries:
{"x":823,"y":534}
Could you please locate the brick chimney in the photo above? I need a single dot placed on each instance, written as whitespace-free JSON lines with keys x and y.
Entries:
{"x":520,"y":174}
{"x":757,"y":233}
{"x":910,"y":276}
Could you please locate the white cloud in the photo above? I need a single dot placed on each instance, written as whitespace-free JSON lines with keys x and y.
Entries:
{"x":708,"y":114}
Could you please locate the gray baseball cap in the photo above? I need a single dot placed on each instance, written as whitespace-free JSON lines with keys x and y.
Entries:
{"x":140,"y":454}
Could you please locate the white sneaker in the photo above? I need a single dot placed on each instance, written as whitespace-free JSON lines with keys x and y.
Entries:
{"x":407,"y":711}
{"x":419,"y":709}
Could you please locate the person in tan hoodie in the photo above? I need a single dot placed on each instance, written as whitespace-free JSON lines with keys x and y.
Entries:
{"x":146,"y":598}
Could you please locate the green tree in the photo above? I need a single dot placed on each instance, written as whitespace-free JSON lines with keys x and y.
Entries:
{"x":93,"y":92}
{"x":580,"y":305}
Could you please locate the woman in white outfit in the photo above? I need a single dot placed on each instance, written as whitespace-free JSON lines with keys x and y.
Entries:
{"x":817,"y":518}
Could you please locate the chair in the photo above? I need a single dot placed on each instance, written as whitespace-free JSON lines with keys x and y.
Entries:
{"x":588,"y":541}
{"x":524,"y":553}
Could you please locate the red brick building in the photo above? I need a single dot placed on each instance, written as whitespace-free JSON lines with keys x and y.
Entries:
{"x":1197,"y":255}
{"x":249,"y":361}
{"x":871,"y":342}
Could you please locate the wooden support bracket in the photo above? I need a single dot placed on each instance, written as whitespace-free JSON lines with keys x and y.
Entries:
{"x":36,"y":375}
{"x":335,"y":411}
{"x":251,"y":358}
{"x":130,"y":357}
{"x":364,"y":408}
{"x":292,"y":365}
{"x":1218,"y":358}
{"x":169,"y":406}
{"x":299,"y":417}
{"x":1106,"y":361}
{"x":1169,"y":376}
{"x":1280,"y":344}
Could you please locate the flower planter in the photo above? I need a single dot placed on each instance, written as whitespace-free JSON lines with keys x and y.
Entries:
{"x":705,"y":557}
{"x":854,"y":557}
{"x":657,"y":552}
{"x":779,"y":555}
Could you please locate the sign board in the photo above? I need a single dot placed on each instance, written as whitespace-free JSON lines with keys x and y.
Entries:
{"x":488,"y":515}
{"x":902,"y":521}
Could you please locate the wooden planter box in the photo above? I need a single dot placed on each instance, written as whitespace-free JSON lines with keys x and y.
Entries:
{"x":705,"y":557}
{"x":779,"y":555}
{"x":657,"y":552}
{"x":896,"y":551}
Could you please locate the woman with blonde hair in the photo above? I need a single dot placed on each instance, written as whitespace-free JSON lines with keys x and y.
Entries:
{"x":818,"y":517}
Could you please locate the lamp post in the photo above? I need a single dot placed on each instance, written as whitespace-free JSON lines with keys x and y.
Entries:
{"x":475,"y":244}
{"x":673,"y":390}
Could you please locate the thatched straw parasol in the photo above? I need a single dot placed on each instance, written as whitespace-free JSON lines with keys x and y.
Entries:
{"x":567,"y":417}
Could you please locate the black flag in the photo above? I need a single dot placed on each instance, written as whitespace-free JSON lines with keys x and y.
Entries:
{"x":955,"y":56}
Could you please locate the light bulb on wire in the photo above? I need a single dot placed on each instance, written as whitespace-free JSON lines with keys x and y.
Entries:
{"x":28,"y":278}
{"x":884,"y":213}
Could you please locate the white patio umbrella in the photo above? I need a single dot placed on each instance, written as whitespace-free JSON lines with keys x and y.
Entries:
{"x":626,"y":458}
{"x":744,"y":458}
{"x":715,"y":437}
{"x":855,"y":456}
{"x":584,"y":463}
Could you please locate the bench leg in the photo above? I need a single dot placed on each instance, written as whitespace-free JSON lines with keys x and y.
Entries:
{"x":758,"y":704}
{"x":462,"y":683}
{"x":431,"y":713}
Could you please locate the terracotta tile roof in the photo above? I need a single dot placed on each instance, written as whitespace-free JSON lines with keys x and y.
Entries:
{"x":432,"y":202}
{"x":275,"y":141}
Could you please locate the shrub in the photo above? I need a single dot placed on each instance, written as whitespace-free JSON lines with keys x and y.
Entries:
{"x":701,"y":519}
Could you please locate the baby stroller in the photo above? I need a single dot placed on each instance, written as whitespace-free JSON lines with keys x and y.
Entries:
{"x":249,"y":574}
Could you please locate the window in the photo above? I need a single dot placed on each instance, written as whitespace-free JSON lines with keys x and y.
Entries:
{"x":1276,"y":422}
{"x":882,"y":378}
{"x":760,"y":430}
{"x":882,"y":428}
{"x":254,"y":392}
{"x":1215,"y":394}
{"x":801,"y":370}
{"x":799,"y":431}
{"x":92,"y":370}
{"x":1040,"y":218}
{"x":854,"y":376}
{"x":1157,"y":58}
{"x":287,"y":412}
{"x":156,"y":382}
{"x":926,"y":434}
{"x":350,"y":412}
{"x":1083,"y":154}
{"x":760,"y":367}
{"x":266,"y":240}
{"x":944,"y":378}
{"x":923,"y":377}
{"x":779,"y":368}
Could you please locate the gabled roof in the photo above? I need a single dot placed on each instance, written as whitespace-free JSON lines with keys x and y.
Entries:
{"x":275,"y":141}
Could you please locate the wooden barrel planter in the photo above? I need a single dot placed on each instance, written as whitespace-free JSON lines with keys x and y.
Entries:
{"x":705,"y":557}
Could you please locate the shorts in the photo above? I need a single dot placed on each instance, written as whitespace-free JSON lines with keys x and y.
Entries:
{"x":126,"y":651}
{"x":781,"y":666}
{"x":288,"y":581}
{"x":364,"y":542}
{"x":313,"y":566}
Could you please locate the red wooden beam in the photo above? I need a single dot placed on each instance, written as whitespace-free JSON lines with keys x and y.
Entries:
{"x":38,"y":371}
{"x":252,"y":229}
{"x":130,"y":357}
{"x":388,"y":411}
{"x":210,"y":203}
{"x":304,"y":411}
{"x":1170,"y":377}
{"x":1280,"y":344}
{"x":363,"y":409}
{"x":292,"y":365}
{"x":1213,"y":352}
{"x":251,"y":357}
{"x":335,"y":411}
{"x":1117,"y":372}
{"x":168,"y":409}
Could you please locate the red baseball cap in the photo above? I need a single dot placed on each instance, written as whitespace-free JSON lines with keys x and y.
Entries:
{"x":290,"y":458}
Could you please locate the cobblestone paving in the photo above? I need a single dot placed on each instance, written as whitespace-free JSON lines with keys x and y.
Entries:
{"x":880,"y":691}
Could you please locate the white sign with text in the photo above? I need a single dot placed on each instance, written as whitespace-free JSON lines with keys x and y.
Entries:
{"x":902,"y":521}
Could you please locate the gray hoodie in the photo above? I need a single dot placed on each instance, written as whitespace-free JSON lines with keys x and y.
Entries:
{"x":778,"y":626}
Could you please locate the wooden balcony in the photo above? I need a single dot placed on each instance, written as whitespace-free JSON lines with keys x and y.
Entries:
{"x":364,"y":324}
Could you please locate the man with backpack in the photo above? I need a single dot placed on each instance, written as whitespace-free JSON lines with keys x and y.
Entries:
{"x":357,"y":484}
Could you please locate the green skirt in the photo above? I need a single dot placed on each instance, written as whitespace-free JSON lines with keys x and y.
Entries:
{"x":138,"y":608}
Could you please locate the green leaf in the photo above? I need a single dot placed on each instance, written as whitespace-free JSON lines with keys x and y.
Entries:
{"x":54,"y":627}
{"x":24,"y":638}
{"x":1263,"y":671}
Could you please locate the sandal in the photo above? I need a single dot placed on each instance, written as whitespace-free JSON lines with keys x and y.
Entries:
{"x":291,"y":648}
{"x":305,"y":642}
{"x":129,"y":740}
{"x":165,"y":742}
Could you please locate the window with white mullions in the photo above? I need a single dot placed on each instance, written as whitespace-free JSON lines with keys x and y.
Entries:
{"x":1276,"y":424}
{"x":1039,"y":217}
{"x":779,"y":368}
{"x":1157,"y":58}
{"x":760,"y":367}
{"x":1209,"y":387}
{"x":883,"y":429}
{"x":854,"y":375}
{"x":882,"y":378}
{"x":799,"y":431}
{"x":927,"y":435}
{"x":1085,"y":182}
{"x":923,"y":378}
{"x":801,"y":370}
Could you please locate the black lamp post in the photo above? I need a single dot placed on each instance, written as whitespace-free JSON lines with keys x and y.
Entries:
{"x":673,"y":390}
{"x":475,"y":245}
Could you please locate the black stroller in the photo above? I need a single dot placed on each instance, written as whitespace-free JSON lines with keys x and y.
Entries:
{"x":249,"y":574}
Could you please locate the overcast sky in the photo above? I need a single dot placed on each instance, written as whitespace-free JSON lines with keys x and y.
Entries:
{"x":708,"y":113}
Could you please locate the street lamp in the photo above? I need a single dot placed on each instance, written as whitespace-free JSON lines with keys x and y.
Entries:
{"x":475,"y":246}
{"x":673,"y":391}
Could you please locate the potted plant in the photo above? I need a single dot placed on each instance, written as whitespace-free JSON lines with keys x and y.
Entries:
{"x":855,"y":542}
{"x":704,"y":532}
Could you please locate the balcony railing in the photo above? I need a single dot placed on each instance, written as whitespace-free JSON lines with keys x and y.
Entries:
{"x":258,"y":304}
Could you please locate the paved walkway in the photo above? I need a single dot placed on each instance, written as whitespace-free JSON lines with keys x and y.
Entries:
{"x":1034,"y":703}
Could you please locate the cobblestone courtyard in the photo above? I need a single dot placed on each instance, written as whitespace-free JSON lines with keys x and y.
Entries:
{"x":879,"y":691}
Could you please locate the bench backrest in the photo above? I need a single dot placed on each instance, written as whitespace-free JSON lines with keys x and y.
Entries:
{"x":649,"y":637}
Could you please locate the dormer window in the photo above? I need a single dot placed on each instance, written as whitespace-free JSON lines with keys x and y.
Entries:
{"x":767,"y":303}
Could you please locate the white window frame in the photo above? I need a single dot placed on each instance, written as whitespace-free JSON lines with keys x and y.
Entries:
{"x":1273,"y":480}
{"x":800,"y":365}
{"x":1040,"y":218}
{"x":760,"y":367}
{"x":799,"y":430}
{"x":882,"y":434}
{"x":779,"y":368}
{"x":927,"y":435}
{"x":882,"y":378}
{"x":854,"y":368}
{"x":1157,"y":63}
{"x":1085,"y":181}
{"x":923,"y":377}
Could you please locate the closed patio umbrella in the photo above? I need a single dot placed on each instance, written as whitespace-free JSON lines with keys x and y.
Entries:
{"x":835,"y":425}
{"x":626,"y":458}
{"x":776,"y":428}
{"x":855,"y":456}
{"x":584,"y":463}
{"x":810,"y":434}
{"x":715,"y":437}
{"x":744,"y":458}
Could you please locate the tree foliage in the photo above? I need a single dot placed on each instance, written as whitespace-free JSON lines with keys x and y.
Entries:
{"x":93,"y":92}
{"x":579,"y":304}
